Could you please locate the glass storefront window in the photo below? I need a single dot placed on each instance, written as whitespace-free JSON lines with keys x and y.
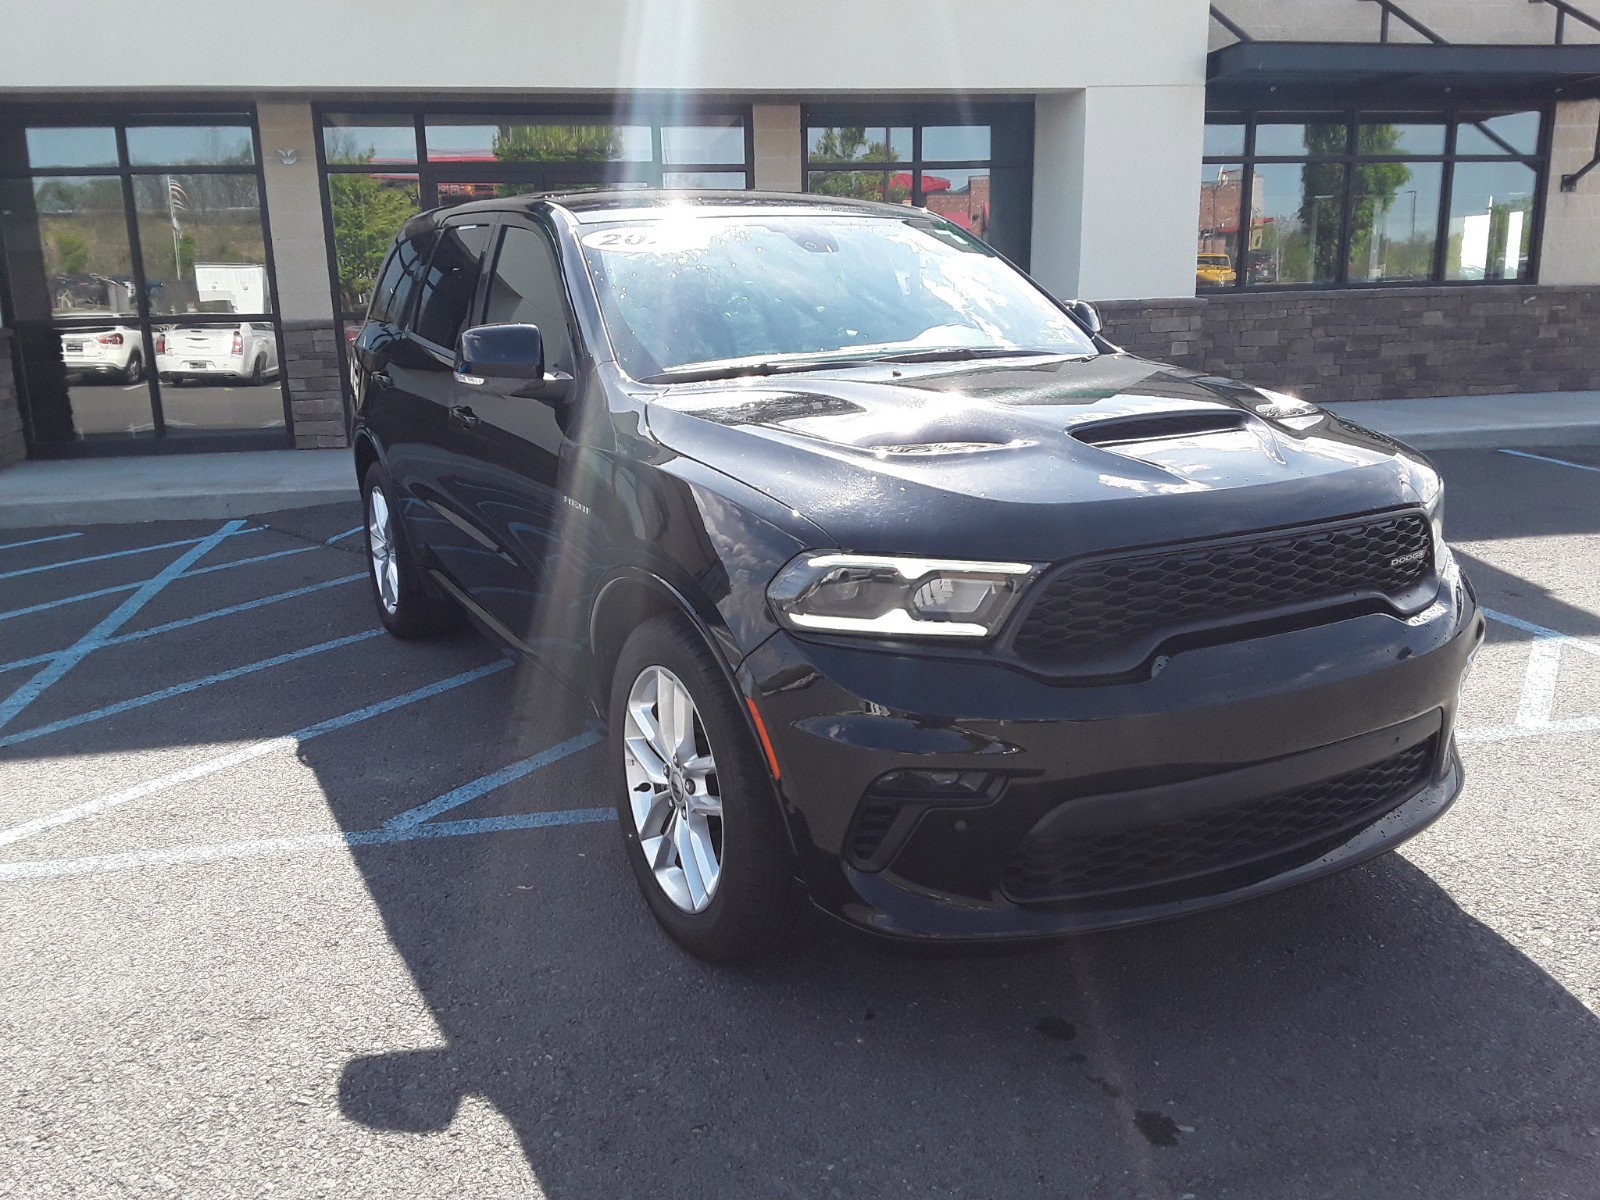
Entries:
{"x":959,"y":195}
{"x":1216,"y":258}
{"x":1518,"y":130}
{"x":1491,"y":221}
{"x":202,"y":241}
{"x":82,"y":230}
{"x":704,"y":145}
{"x":1224,"y":138}
{"x":721,"y":180}
{"x":71,"y":146}
{"x":173,"y":205}
{"x":368,"y":139}
{"x":190,"y":146}
{"x":525,"y":139}
{"x":1394,"y":220}
{"x":1401,"y":135}
{"x":955,"y":143}
{"x":1362,"y":200}
{"x":1297,"y":206}
{"x":367,"y":212}
{"x":1297,"y":138}
{"x":892,"y":187}
{"x":844,"y":143}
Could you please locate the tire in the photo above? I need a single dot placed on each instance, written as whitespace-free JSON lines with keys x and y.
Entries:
{"x":406,"y":603}
{"x":134,"y":371}
{"x":258,"y":371}
{"x":755,"y":903}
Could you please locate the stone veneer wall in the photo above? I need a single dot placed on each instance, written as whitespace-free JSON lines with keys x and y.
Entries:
{"x":1377,"y":344}
{"x":316,"y":393}
{"x":13,"y":449}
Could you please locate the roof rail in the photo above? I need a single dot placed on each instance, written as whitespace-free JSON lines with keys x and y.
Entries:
{"x":1563,"y":11}
{"x":1390,"y":8}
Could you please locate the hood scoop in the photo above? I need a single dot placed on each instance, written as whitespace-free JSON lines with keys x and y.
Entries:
{"x":1157,"y":427}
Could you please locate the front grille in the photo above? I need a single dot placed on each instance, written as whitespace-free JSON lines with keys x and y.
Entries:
{"x":1056,"y":867}
{"x":1109,"y":608}
{"x":873,"y":821}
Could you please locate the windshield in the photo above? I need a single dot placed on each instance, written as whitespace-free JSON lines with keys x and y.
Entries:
{"x":690,"y":291}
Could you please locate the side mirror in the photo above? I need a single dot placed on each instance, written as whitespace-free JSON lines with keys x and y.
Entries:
{"x":507,"y":360}
{"x":1086,"y":315}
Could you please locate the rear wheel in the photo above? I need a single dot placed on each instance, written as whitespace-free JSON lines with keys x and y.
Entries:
{"x":701,"y":823}
{"x":258,"y":371}
{"x":134,"y":371}
{"x":406,"y":604}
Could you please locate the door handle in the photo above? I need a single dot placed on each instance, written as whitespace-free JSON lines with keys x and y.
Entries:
{"x":463,"y":416}
{"x":382,"y":379}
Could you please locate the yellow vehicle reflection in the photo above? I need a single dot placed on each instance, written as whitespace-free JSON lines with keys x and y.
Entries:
{"x":1213,"y":269}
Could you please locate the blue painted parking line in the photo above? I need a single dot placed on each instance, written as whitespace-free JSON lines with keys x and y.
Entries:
{"x":1545,"y":458}
{"x":456,"y":797}
{"x":338,"y":537}
{"x":94,"y":558}
{"x":198,"y":618}
{"x":183,"y":689}
{"x":212,"y":766}
{"x":55,"y":537}
{"x":108,"y":625}
{"x":47,"y":605}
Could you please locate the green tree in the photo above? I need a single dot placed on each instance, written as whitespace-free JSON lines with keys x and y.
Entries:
{"x":850,"y":144}
{"x":557,"y":143}
{"x":1373,"y":191}
{"x":72,"y":252}
{"x":367,"y":213}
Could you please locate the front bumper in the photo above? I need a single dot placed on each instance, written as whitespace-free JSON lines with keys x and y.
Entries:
{"x":1254,"y":727}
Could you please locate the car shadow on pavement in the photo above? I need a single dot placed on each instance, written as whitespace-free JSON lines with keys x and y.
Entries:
{"x":1360,"y":1036}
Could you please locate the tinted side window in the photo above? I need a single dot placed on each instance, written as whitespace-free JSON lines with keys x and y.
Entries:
{"x":526,"y":290}
{"x":379,"y":309}
{"x":449,"y":283}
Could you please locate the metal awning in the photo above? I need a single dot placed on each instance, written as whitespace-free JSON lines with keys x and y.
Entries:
{"x":1257,"y":73}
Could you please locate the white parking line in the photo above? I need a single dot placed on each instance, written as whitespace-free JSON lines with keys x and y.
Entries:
{"x":268,"y":847}
{"x":1537,"y":702}
{"x":93,"y":558}
{"x":338,"y":537}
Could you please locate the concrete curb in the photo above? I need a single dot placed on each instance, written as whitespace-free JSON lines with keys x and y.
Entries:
{"x":174,"y":506}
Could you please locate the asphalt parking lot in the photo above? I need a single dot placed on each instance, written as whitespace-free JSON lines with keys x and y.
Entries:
{"x":289,"y":907}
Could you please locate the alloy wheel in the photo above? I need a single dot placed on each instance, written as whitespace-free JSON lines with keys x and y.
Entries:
{"x":385,"y":560}
{"x":673,"y":790}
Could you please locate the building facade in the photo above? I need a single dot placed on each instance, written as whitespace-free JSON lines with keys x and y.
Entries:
{"x":1347,"y":198}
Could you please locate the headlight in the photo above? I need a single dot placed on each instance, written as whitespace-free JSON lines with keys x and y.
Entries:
{"x":828,"y":592}
{"x":1434,"y":506}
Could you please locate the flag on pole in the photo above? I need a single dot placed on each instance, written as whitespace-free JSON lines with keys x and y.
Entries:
{"x":176,"y":198}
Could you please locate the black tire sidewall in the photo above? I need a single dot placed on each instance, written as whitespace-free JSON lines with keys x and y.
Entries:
{"x":747,"y":914}
{"x":408,"y":620}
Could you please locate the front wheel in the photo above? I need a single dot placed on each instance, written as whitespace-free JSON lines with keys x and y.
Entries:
{"x":699,"y":818}
{"x":406,"y":605}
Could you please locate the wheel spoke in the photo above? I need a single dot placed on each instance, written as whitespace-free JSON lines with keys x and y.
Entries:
{"x":677,"y":718}
{"x":707,"y":804}
{"x":697,"y":859}
{"x":665,"y":847}
{"x":657,"y":814}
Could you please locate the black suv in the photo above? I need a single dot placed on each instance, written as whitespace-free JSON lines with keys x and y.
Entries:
{"x":902,"y":590}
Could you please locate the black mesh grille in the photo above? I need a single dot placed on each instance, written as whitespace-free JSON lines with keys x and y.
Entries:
{"x":1093,"y":609}
{"x":1054,"y":867}
{"x":873,"y":821}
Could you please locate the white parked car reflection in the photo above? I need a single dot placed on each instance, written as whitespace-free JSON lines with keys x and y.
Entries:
{"x":110,"y":352}
{"x":246,"y":352}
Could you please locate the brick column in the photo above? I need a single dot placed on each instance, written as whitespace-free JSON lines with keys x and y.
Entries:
{"x":316,"y":395}
{"x":13,"y":449}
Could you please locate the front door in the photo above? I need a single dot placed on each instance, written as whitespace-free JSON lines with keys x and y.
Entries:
{"x":514,"y":460}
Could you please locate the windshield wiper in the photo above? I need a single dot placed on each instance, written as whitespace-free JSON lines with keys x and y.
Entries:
{"x":963,"y":353}
{"x":701,"y":374}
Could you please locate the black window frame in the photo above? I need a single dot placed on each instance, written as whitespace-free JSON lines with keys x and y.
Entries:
{"x":1351,"y":157}
{"x":489,"y":222}
{"x":120,"y":118}
{"x":491,"y":266}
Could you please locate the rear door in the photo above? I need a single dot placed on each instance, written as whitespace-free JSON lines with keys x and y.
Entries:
{"x":421,"y":378}
{"x":515,"y":458}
